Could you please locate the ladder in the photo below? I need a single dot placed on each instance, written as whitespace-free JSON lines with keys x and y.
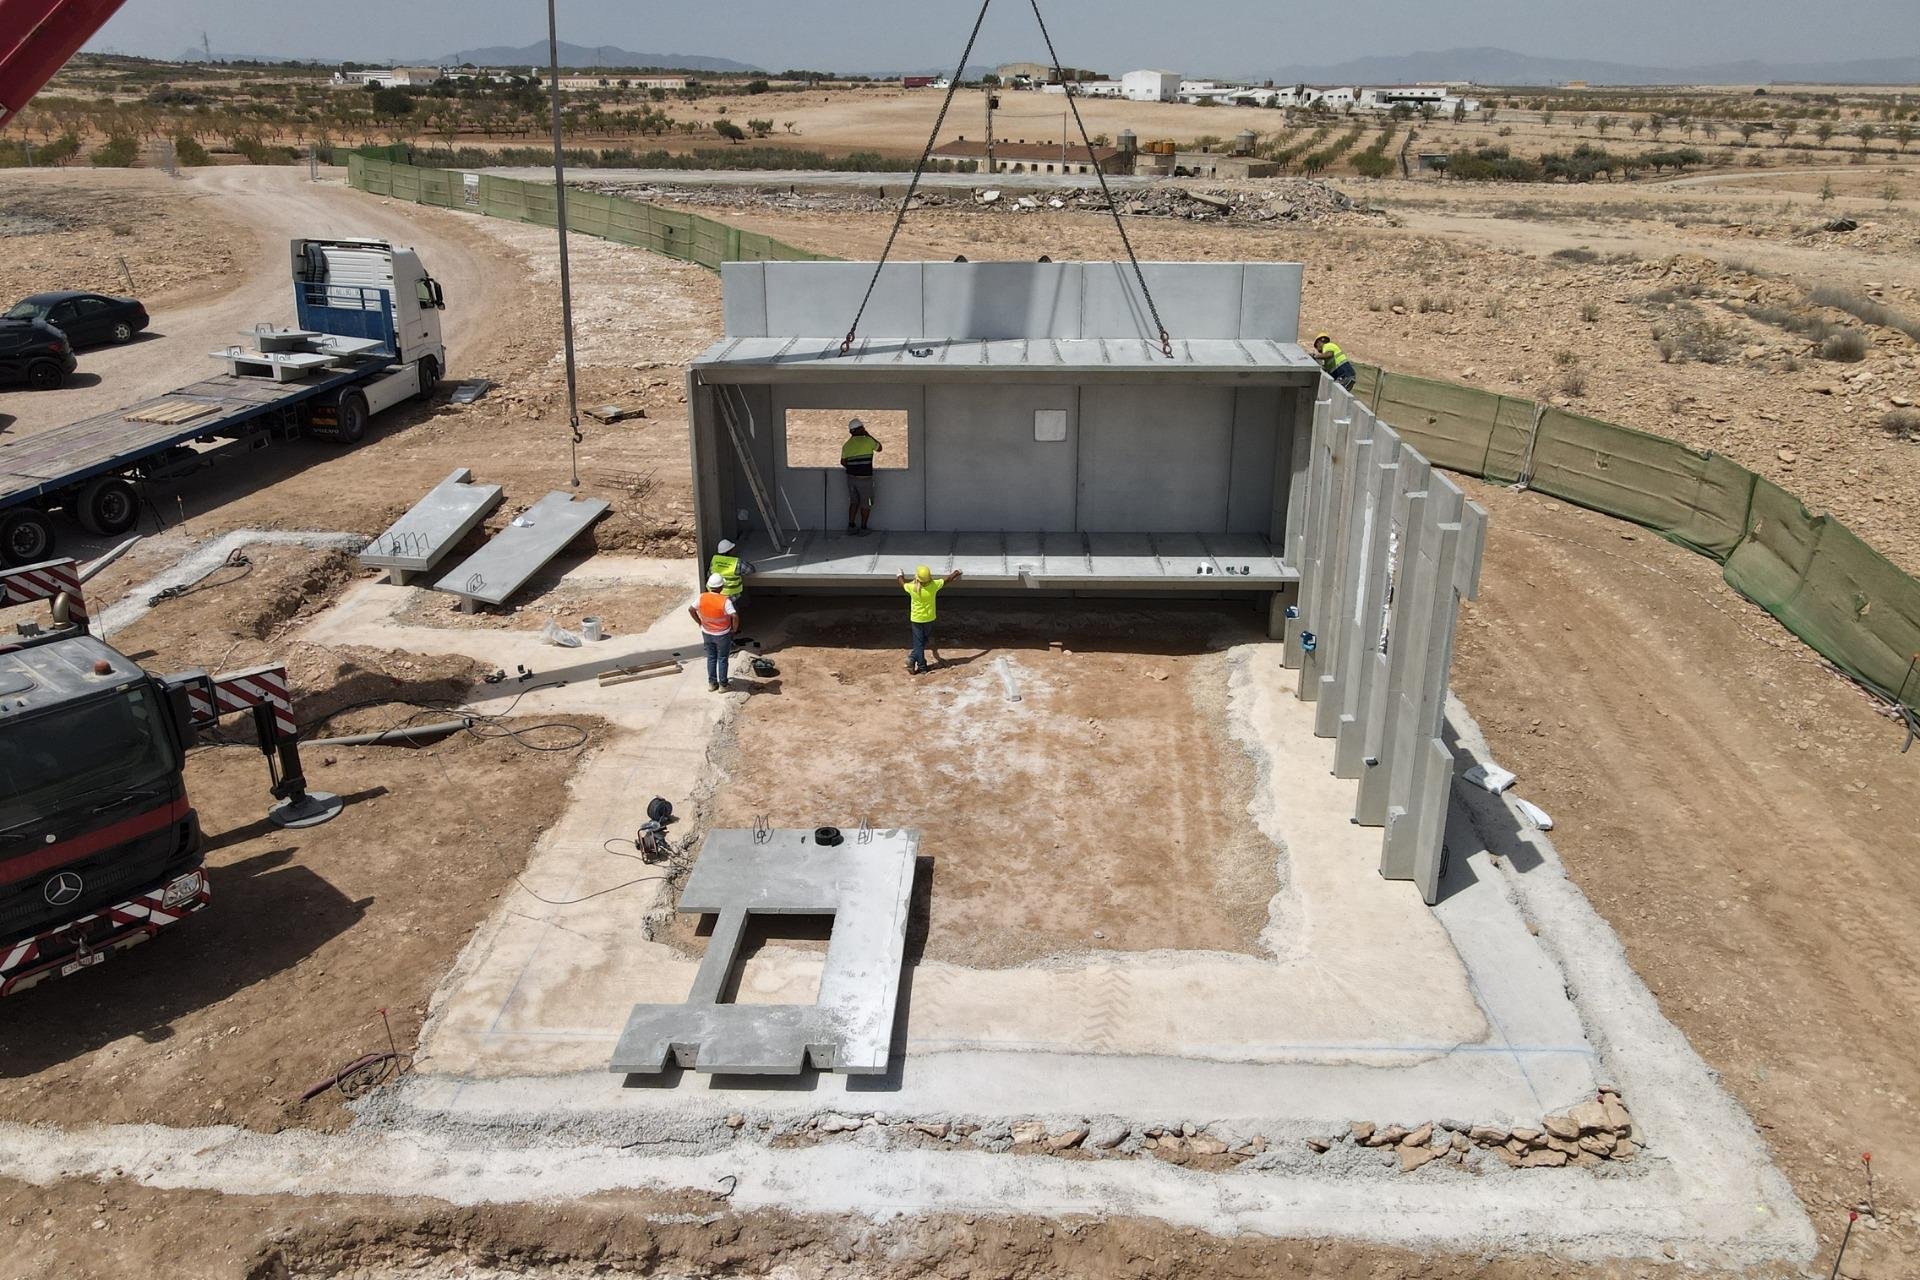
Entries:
{"x":761,"y":499}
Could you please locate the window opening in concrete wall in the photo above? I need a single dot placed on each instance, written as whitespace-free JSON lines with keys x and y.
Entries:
{"x":1049,"y":424}
{"x":767,"y":970}
{"x":814,"y":437}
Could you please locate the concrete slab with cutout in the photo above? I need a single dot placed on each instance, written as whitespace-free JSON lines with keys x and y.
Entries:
{"x":493,"y":573}
{"x":418,"y":540}
{"x":865,"y":883}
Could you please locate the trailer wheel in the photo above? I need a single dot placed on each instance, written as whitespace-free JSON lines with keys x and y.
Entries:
{"x":429,"y":377}
{"x":45,"y":375}
{"x":108,"y":506}
{"x":26,"y":536}
{"x":351,"y":418}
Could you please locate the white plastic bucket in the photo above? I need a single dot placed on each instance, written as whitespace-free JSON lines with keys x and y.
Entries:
{"x":590,"y":629}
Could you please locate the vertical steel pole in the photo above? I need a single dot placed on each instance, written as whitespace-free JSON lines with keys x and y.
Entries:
{"x":560,"y":220}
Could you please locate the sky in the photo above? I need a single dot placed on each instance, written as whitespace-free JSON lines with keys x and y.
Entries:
{"x":1219,"y":37}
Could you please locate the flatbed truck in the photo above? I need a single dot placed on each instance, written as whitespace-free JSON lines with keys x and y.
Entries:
{"x":367,"y":338}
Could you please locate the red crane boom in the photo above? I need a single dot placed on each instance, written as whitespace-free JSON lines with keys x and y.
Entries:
{"x":36,"y":39}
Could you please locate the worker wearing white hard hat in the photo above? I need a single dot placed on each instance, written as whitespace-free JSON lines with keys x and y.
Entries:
{"x":856,"y":459}
{"x":718,"y":621}
{"x":733,"y":568}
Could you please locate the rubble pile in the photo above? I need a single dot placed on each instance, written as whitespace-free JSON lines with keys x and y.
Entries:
{"x":1284,"y":200}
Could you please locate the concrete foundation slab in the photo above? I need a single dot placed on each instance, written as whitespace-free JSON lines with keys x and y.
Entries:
{"x":417,"y":541}
{"x":864,"y":883}
{"x":493,"y":573}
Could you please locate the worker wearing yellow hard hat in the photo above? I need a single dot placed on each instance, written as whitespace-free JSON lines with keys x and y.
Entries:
{"x":1335,"y":361}
{"x":922,"y":590}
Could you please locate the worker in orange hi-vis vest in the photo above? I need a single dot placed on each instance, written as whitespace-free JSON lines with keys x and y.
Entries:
{"x":718,"y":620}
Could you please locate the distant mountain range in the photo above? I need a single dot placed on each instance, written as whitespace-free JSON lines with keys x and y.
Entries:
{"x":1505,"y":67}
{"x":580,"y":56}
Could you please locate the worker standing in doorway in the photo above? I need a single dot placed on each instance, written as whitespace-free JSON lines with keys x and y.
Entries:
{"x":856,"y":459}
{"x":733,"y":571}
{"x":1335,"y":361}
{"x":718,"y":620}
{"x":921,"y":591}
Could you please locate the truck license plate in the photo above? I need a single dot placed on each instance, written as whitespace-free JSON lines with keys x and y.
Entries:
{"x":72,"y":967}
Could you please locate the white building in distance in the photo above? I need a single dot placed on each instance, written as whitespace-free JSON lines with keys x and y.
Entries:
{"x":1150,"y":86}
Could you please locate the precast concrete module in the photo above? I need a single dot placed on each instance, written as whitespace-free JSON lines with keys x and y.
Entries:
{"x":1054,"y":446}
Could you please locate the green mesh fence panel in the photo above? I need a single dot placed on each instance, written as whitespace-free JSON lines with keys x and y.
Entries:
{"x":1459,"y":428}
{"x":1832,"y":590}
{"x":1694,"y":497}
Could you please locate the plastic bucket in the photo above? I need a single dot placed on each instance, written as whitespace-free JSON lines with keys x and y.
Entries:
{"x":590,"y":629}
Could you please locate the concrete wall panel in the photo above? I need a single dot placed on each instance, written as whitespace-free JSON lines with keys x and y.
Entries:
{"x":996,"y":300}
{"x":820,"y":298}
{"x":1155,"y":459}
{"x":743,"y":291}
{"x":1196,"y":300}
{"x":1257,"y":432}
{"x":985,"y":470}
{"x":1270,"y":301}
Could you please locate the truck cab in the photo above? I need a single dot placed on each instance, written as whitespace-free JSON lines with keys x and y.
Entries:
{"x":341,"y":285}
{"x":99,"y":847}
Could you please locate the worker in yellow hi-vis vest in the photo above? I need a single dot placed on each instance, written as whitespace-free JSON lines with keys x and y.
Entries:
{"x":923,"y":590}
{"x":733,"y":571}
{"x":1335,"y":361}
{"x":856,"y":459}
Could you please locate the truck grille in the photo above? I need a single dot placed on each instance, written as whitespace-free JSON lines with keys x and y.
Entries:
{"x":110,"y":876}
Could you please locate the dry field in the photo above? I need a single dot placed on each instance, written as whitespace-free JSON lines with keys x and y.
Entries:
{"x":1739,"y":814}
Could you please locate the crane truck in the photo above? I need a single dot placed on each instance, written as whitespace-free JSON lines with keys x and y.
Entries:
{"x":100,"y":848}
{"x":367,"y":338}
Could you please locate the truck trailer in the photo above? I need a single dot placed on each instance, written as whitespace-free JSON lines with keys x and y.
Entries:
{"x":367,"y":337}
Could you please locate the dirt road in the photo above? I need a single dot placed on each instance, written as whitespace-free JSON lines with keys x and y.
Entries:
{"x":265,"y":208}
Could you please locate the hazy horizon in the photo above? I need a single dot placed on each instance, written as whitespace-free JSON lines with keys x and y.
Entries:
{"x":1222,"y":37}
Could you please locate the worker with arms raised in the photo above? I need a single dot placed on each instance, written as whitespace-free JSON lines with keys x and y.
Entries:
{"x":718,"y":620}
{"x":856,"y":459}
{"x":921,"y":591}
{"x":1335,"y":361}
{"x":732,"y":570}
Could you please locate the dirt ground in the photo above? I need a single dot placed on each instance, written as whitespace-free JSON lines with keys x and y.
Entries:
{"x":86,"y":1231}
{"x":59,"y":234}
{"x":1115,"y":812}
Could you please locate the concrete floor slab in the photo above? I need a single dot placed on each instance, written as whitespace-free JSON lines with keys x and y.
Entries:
{"x":863,"y":882}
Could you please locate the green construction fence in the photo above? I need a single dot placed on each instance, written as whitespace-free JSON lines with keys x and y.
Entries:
{"x":686,"y":236}
{"x":1843,"y":598}
{"x":1839,"y":595}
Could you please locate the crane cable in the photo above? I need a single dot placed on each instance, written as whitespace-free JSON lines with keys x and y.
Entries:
{"x":1060,"y":74}
{"x":926,"y":154}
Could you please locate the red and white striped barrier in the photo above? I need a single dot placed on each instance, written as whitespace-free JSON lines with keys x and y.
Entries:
{"x":242,"y":691}
{"x":45,"y":581}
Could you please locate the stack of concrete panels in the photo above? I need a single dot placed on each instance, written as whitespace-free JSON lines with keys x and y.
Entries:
{"x":1389,"y":548}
